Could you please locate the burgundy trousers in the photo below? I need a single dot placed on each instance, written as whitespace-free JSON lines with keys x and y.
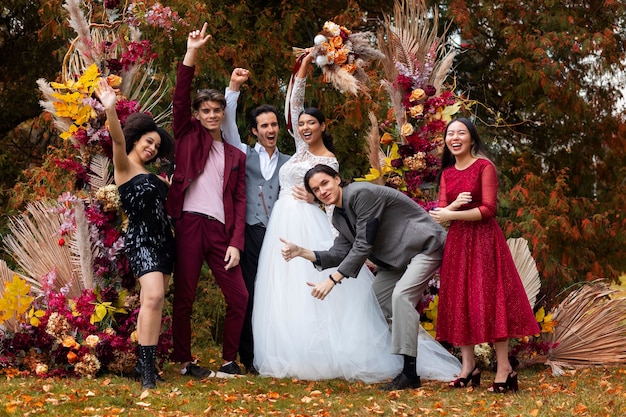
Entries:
{"x":200,"y":239}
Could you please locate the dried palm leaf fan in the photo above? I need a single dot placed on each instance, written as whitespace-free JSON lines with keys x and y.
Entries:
{"x":34,"y":242}
{"x":590,"y":329}
{"x":526,"y":267}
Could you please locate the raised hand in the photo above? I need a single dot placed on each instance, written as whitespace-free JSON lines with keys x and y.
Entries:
{"x":106,"y":94}
{"x":238,"y":77}
{"x":198,"y":38}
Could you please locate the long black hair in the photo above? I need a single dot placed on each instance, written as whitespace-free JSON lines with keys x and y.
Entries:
{"x":137,"y":125}
{"x":478,"y":148}
{"x":327,"y":138}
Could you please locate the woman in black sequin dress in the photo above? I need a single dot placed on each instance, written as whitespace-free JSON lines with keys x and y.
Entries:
{"x":149,"y":243}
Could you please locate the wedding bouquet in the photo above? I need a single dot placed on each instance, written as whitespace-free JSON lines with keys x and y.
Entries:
{"x":343,"y":56}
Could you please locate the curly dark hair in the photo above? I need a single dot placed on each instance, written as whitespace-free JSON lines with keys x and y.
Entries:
{"x":137,"y":125}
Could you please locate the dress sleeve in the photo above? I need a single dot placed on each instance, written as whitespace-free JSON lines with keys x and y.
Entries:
{"x":489,"y":187}
{"x":443,"y":200}
{"x":297,"y":106}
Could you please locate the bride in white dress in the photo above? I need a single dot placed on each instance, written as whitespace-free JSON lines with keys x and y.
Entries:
{"x":297,"y":335}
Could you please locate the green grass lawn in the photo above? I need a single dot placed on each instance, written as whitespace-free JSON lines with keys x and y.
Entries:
{"x":587,"y":392}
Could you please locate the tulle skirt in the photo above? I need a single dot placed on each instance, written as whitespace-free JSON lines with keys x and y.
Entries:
{"x":343,"y":336}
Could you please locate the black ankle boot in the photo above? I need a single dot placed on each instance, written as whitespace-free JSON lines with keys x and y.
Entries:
{"x":139,"y":367}
{"x":146,"y":359}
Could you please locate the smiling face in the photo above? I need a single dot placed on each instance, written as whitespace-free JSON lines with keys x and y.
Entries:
{"x":266,"y":131}
{"x":210,"y":114}
{"x":459,"y":140}
{"x":310,"y":128}
{"x":147,"y":146}
{"x":326,"y":188}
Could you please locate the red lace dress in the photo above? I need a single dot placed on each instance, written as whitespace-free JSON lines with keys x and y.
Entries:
{"x":481,"y":296}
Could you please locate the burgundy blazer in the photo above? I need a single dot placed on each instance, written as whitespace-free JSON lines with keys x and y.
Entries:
{"x":191,"y":151}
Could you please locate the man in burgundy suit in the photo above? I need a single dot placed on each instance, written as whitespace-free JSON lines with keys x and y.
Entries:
{"x":207,"y":200}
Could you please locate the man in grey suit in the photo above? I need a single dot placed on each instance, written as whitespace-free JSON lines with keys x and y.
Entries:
{"x":391,"y":230}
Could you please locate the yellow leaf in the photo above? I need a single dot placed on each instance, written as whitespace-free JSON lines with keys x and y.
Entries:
{"x":541,"y":313}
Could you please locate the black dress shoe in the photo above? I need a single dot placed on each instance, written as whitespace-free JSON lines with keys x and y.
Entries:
{"x":250,"y":369}
{"x":402,"y":382}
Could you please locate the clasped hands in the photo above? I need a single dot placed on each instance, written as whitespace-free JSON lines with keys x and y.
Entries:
{"x":443,"y":214}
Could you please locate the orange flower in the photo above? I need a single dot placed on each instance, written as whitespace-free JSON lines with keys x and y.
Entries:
{"x":341,"y":57}
{"x":69,"y":342}
{"x":114,"y":80}
{"x":72,"y":357}
{"x":336,"y":42}
{"x":387,"y":139}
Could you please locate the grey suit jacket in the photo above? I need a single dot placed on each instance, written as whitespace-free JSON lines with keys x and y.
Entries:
{"x":382,"y":224}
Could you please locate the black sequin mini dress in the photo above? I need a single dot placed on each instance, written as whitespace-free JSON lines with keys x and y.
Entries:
{"x":149,"y":242}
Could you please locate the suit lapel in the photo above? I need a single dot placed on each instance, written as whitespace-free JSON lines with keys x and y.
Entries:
{"x":229,"y":159}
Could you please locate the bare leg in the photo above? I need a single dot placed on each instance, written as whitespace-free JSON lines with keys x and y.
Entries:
{"x":502,"y":356}
{"x":151,"y":296}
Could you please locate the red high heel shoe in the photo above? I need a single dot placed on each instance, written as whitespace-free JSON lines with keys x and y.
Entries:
{"x":473,"y":376}
{"x":509,"y":385}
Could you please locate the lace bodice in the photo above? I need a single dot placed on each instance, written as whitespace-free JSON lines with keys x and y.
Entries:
{"x":292,"y":172}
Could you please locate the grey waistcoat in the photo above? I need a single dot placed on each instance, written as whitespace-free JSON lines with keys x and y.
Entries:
{"x":261,"y":194}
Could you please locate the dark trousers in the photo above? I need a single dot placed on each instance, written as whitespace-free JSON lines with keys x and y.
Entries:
{"x":249,"y":265}
{"x":199,"y":239}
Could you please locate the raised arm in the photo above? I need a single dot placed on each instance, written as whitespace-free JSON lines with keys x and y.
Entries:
{"x":230,"y":133}
{"x":108,"y":98}
{"x":196,"y":40}
{"x":296,"y":102}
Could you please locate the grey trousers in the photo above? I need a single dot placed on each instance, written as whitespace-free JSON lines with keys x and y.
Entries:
{"x":399,"y":290}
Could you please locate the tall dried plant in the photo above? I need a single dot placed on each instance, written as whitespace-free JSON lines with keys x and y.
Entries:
{"x":35,"y":244}
{"x":410,"y":41}
{"x":526,"y":267}
{"x":590,"y":329}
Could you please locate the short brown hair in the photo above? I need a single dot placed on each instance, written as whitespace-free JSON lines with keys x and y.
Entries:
{"x":208,"y":94}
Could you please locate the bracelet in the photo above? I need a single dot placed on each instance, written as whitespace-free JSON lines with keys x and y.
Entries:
{"x":334,"y":280}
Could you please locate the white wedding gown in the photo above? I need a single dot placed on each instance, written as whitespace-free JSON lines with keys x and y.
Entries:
{"x":343,"y":336}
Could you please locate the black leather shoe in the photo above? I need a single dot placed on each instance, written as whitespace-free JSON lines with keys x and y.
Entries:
{"x":250,"y":369}
{"x":401,"y":382}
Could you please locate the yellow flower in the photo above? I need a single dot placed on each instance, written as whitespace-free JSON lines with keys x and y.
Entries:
{"x":407,"y":129}
{"x":92,"y":341}
{"x":417,"y":95}
{"x":416,"y":110}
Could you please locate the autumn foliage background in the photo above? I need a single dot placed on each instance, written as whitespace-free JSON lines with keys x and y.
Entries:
{"x":547,"y":75}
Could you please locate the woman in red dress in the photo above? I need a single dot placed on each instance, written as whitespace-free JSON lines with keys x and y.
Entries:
{"x":481,"y":296}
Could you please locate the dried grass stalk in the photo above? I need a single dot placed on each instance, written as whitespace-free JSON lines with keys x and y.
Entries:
{"x":526,"y":267}
{"x":372,"y":143}
{"x":83,"y":250}
{"x":590,"y":329}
